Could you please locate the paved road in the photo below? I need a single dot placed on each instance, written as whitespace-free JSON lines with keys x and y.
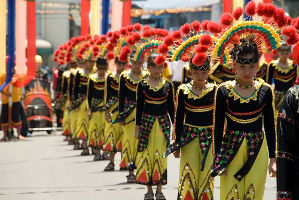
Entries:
{"x":45,"y":168}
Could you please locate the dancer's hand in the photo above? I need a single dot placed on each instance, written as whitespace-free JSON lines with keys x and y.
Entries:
{"x":89,"y":113}
{"x":122,"y":123}
{"x":137,"y":129}
{"x":108,"y":116}
{"x":177,"y":154}
{"x":272,"y":167}
{"x":223,"y":173}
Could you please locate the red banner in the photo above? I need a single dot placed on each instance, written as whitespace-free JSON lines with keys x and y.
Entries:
{"x":227,"y":6}
{"x":85,"y":8}
{"x":31,"y":42}
{"x":127,"y":6}
{"x":267,"y":1}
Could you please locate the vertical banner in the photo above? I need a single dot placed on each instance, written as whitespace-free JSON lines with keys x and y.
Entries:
{"x":2,"y":37}
{"x":247,"y":18}
{"x":267,"y":1}
{"x":105,"y":16}
{"x":117,"y":9}
{"x":227,"y":6}
{"x":96,"y":17}
{"x":11,"y":14}
{"x":127,"y":6}
{"x":31,"y":41}
{"x":85,"y":8}
{"x":20,"y":37}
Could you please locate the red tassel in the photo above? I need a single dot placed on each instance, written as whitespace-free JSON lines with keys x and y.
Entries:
{"x":110,"y":55}
{"x":137,"y":27}
{"x":146,"y":27}
{"x":163,"y":49}
{"x":103,"y":38}
{"x":260,"y":9}
{"x":109,"y":34}
{"x":199,"y":59}
{"x":168,"y":40}
{"x":206,"y":40}
{"x":136,"y":37}
{"x":116,"y":35}
{"x":146,"y":33}
{"x":123,"y":31}
{"x":201,"y":49}
{"x":109,"y":47}
{"x":195,"y":26}
{"x":238,"y":12}
{"x":214,"y":28}
{"x":269,"y":10}
{"x":130,"y":28}
{"x":176,"y":35}
{"x":159,"y":60}
{"x":250,"y":8}
{"x":226,"y":19}
{"x":125,"y":50}
{"x":123,"y":57}
{"x":204,"y":25}
{"x":130,"y":40}
{"x":186,"y":28}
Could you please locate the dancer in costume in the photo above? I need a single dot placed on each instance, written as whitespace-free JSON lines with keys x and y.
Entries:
{"x":247,"y":105}
{"x":186,"y":74}
{"x":127,"y":103}
{"x":288,"y":151}
{"x":154,"y":114}
{"x":284,"y":73}
{"x":15,"y":109}
{"x":113,"y":131}
{"x":96,"y":107}
{"x":80,"y":93}
{"x":194,"y":118}
{"x":221,"y":73}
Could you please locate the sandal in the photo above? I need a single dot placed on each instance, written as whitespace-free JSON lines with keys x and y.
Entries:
{"x":105,"y":156}
{"x":131,"y":178}
{"x":85,"y":152}
{"x":97,"y":157}
{"x":77,"y":147}
{"x":110,"y":167}
{"x":149,"y":196}
{"x":159,"y":195}
{"x":71,"y":142}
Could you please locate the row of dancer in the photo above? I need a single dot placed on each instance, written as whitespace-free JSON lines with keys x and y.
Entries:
{"x":227,"y":130}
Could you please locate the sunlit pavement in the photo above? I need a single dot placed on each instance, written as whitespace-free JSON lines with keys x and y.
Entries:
{"x":44,"y":167}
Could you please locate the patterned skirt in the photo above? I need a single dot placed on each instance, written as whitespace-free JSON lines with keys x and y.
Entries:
{"x":252,"y":186}
{"x":73,"y":123}
{"x":82,"y":122}
{"x":151,"y":166}
{"x":113,"y":134}
{"x":66,"y":121}
{"x":129,"y":142}
{"x":96,"y":129}
{"x":195,"y":183}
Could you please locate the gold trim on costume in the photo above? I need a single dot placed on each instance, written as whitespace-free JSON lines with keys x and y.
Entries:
{"x":279,"y":69}
{"x":191,"y":95}
{"x":230,"y":86}
{"x":244,"y":121}
{"x":161,"y":84}
{"x":199,"y":109}
{"x":194,"y":126}
{"x":155,"y":102}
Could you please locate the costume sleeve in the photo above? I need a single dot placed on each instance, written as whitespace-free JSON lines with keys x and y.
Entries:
{"x":71,"y":85}
{"x":122,"y":93}
{"x":219,"y":116}
{"x":64,"y":84}
{"x":140,"y":103}
{"x":108,"y":91}
{"x":170,"y":103}
{"x":270,"y":73}
{"x":90,"y":92}
{"x":179,"y":115}
{"x":287,"y":141}
{"x":76,"y":87}
{"x":269,"y":122}
{"x":59,"y":81}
